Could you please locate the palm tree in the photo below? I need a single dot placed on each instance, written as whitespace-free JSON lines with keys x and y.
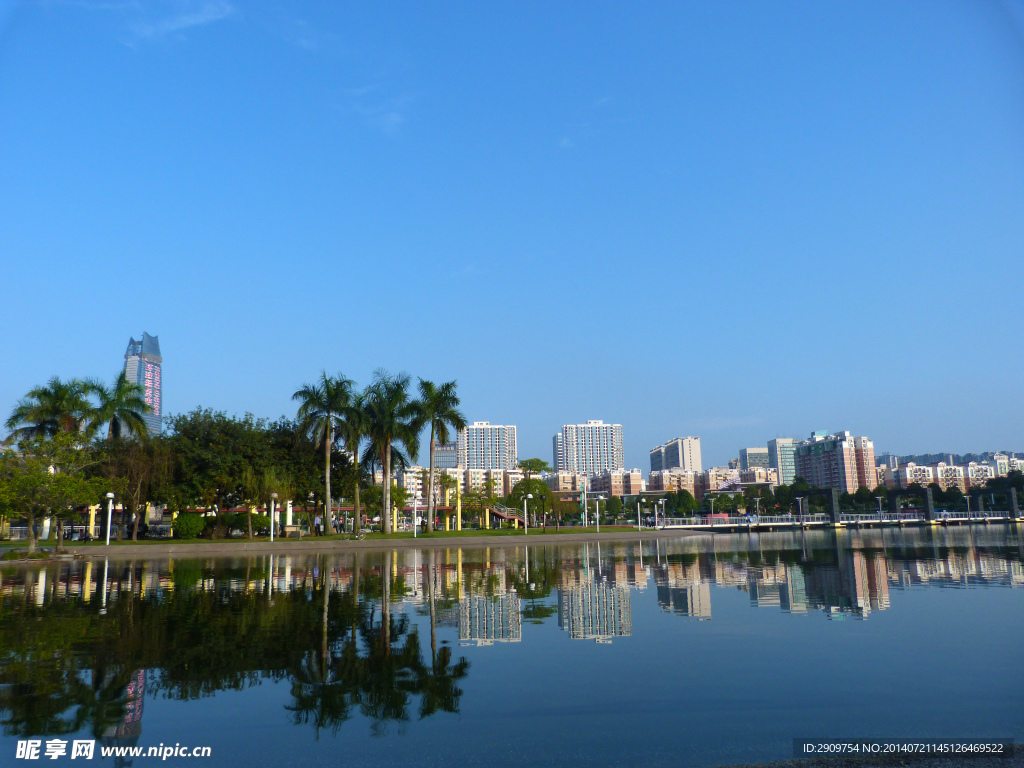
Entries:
{"x":120,"y":407}
{"x":59,"y":406}
{"x":352,"y":428}
{"x":321,"y":406}
{"x":439,"y":407}
{"x":393,"y":417}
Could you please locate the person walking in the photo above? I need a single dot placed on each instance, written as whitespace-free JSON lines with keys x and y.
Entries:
{"x":316,"y":525}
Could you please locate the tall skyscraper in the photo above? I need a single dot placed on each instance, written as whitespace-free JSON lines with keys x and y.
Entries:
{"x":753,"y":457}
{"x":679,"y":453}
{"x":591,"y":448}
{"x":483,"y":445}
{"x":837,"y":461}
{"x":142,"y":366}
{"x":782,"y":456}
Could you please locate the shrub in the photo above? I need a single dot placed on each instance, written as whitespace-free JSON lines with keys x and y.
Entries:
{"x":188,"y":525}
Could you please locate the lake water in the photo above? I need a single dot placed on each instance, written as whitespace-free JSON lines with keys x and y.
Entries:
{"x":693,"y":651}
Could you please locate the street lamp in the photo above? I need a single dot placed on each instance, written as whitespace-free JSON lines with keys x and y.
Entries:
{"x":544,"y":510}
{"x":415,"y":512}
{"x":273,"y":513}
{"x":526,"y":517}
{"x":638,"y":527}
{"x":662,"y":502}
{"x":110,"y":514}
{"x":879,"y":506}
{"x":597,"y":511}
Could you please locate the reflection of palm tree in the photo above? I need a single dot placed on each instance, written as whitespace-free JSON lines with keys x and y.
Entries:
{"x":437,"y":685}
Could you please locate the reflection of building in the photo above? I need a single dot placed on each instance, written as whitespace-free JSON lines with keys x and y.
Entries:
{"x":126,"y":733}
{"x":682,"y":590}
{"x":595,"y":610}
{"x":142,"y":366}
{"x":488,"y":620}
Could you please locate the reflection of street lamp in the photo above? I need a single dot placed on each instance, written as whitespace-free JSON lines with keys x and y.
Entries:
{"x":110,"y":514}
{"x":273,"y":513}
{"x":526,"y":517}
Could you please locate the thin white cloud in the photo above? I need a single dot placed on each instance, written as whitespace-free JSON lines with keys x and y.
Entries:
{"x":387,"y":114}
{"x":191,"y":16}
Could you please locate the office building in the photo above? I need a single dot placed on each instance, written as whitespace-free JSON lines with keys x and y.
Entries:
{"x":446,"y":456}
{"x":590,"y":448}
{"x":483,"y":445}
{"x":679,"y":453}
{"x":142,"y":366}
{"x":782,"y":456}
{"x":753,"y":457}
{"x":840,"y":461}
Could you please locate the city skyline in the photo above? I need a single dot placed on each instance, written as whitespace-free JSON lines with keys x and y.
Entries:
{"x":738,"y":161}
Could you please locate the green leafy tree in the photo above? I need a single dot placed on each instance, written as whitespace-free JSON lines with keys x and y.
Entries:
{"x":439,"y":408}
{"x":533,"y":467}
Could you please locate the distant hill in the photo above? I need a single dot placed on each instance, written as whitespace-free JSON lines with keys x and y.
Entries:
{"x":933,"y":458}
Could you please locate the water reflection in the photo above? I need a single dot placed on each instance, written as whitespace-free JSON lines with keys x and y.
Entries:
{"x":379,"y":635}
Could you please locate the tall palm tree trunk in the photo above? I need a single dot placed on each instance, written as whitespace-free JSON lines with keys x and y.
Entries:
{"x":356,"y":522}
{"x":430,"y":485}
{"x":327,"y":473}
{"x":386,"y":496}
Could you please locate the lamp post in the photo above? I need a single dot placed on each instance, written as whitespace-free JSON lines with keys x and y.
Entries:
{"x":597,"y":511}
{"x":273,"y":513}
{"x":879,"y":507}
{"x":526,"y":517}
{"x":110,"y":514}
{"x":638,"y":526}
{"x":415,"y":512}
{"x":662,"y":502}
{"x":544,"y":511}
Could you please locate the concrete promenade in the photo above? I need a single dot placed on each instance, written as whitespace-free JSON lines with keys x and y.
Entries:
{"x":219,"y":548}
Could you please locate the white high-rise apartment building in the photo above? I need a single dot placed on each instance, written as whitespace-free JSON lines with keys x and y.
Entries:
{"x":679,"y":453}
{"x":483,"y":445}
{"x":592,"y":448}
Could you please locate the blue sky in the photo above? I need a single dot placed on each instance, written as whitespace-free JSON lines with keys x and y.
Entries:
{"x":736,"y":220}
